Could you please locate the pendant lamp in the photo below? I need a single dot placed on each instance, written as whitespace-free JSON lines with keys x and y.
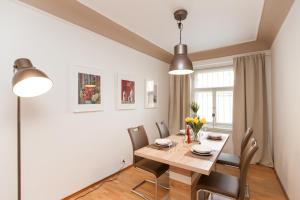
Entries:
{"x":180,"y":64}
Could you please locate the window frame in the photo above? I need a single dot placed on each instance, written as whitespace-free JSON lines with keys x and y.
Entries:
{"x":214,"y":124}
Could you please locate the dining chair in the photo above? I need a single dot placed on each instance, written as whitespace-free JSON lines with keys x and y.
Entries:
{"x":232,"y":159}
{"x":226,"y":185}
{"x":162,"y":129}
{"x":139,"y":139}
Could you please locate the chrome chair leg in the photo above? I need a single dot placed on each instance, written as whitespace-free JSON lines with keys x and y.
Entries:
{"x":247,"y":192}
{"x":163,"y":186}
{"x":149,"y":181}
{"x":198,"y":192}
{"x":138,"y":193}
{"x":210,"y":195}
{"x":156,"y":189}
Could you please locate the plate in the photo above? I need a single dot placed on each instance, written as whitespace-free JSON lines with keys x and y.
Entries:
{"x":163,"y":142}
{"x":181,"y":132}
{"x":200,"y":148}
{"x":162,"y":146}
{"x":214,"y":137}
{"x":202,"y":154}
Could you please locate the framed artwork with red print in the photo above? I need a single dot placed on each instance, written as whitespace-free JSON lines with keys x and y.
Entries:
{"x":87,"y":90}
{"x":126,"y":92}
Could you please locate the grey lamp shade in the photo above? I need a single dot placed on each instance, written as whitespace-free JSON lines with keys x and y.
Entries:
{"x":180,"y":64}
{"x":30,"y":82}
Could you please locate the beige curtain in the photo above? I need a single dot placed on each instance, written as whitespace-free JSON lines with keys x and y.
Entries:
{"x":250,"y":106}
{"x":179,"y":102}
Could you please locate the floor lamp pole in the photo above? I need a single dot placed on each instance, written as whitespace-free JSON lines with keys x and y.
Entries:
{"x":24,"y":70}
{"x":19,"y":146}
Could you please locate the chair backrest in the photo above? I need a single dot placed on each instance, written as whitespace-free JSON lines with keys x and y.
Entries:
{"x":138,"y":139}
{"x":247,"y":157}
{"x":162,"y":129}
{"x":246,"y":139}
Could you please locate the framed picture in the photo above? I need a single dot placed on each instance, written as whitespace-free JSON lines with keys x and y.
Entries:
{"x":151,"y":94}
{"x":126,"y":92}
{"x":87,"y":89}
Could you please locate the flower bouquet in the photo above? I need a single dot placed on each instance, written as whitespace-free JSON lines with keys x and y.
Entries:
{"x":195,"y":124}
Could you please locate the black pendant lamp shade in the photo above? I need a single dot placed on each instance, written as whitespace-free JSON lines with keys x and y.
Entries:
{"x":180,"y":64}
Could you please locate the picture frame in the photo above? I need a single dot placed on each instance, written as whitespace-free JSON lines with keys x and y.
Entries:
{"x":151,"y":93}
{"x":126,"y":92}
{"x":86,"y":89}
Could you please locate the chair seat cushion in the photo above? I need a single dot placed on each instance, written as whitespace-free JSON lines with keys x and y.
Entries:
{"x":220,"y":183}
{"x":156,"y":168}
{"x":229,"y":159}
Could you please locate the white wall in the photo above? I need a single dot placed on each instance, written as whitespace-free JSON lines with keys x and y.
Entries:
{"x":286,"y":102}
{"x":64,"y":152}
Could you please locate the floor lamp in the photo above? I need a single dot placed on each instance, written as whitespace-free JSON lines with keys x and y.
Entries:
{"x":27,"y":82}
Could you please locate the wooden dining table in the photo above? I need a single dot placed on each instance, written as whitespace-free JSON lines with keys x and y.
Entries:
{"x":185,"y":167}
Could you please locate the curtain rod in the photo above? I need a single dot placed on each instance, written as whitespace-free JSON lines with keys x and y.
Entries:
{"x":224,"y":61}
{"x":267,"y":53}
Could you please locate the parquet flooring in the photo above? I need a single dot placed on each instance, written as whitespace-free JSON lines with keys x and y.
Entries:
{"x":263,"y":182}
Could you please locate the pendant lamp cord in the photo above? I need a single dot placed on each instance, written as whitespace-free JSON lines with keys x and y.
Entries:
{"x":180,"y":26}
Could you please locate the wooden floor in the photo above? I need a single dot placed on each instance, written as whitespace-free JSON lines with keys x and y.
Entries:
{"x":262,"y":180}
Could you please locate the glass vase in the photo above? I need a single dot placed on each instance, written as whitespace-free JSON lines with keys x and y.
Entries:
{"x":196,"y":136}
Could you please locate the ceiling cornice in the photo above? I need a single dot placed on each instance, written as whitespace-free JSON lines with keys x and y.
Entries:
{"x":273,"y":16}
{"x":76,"y":13}
{"x":230,"y":50}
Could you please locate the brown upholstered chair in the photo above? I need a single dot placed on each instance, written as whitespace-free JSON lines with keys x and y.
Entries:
{"x":162,"y":129}
{"x":234,"y":160}
{"x":226,"y":185}
{"x":139,"y":139}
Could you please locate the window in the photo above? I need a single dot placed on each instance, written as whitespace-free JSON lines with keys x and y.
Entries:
{"x":213,"y":91}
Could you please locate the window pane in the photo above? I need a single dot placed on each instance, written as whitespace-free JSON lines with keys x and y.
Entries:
{"x":224,"y":106}
{"x":214,"y":78}
{"x":205,"y":101}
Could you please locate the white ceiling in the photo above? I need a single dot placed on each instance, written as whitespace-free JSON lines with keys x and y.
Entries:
{"x":210,"y":23}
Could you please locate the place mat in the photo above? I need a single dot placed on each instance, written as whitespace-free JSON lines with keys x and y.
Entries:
{"x":191,"y":154}
{"x":215,"y":138}
{"x":158,"y":147}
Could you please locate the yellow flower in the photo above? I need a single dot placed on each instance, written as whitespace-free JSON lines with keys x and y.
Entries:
{"x":203,"y":120}
{"x":196,"y":120}
{"x":188,"y":119}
